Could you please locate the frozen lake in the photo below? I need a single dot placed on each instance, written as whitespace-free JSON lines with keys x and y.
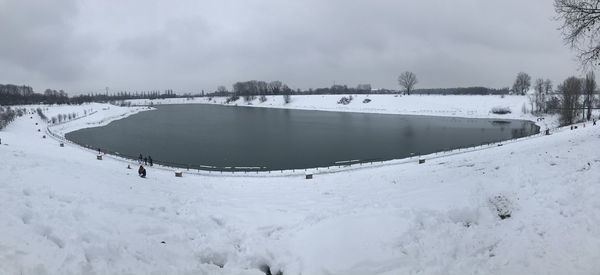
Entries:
{"x":198,"y":135}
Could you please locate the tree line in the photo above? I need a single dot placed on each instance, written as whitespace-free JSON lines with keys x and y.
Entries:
{"x":255,"y":88}
{"x":124,"y":95}
{"x":18,"y":95}
{"x":11,"y":94}
{"x":574,"y":98}
{"x":463,"y":91}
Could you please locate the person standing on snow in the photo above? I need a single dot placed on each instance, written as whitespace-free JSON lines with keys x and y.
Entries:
{"x":140,"y":158}
{"x":145,"y":161}
{"x":150,"y":160}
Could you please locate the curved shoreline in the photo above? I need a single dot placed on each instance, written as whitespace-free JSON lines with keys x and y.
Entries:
{"x":220,"y":171}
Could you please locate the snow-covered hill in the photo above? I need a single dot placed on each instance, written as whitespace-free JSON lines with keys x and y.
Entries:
{"x":65,"y":212}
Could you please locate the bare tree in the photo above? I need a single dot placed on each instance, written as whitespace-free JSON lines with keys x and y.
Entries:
{"x":408,"y":80}
{"x":581,"y":27}
{"x":274,"y":87}
{"x":589,"y":87}
{"x":538,"y":98}
{"x":262,"y":98}
{"x":547,"y":86}
{"x":570,"y":91}
{"x":522,"y":83}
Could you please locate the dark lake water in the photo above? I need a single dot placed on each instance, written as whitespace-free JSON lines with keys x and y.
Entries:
{"x":274,"y":139}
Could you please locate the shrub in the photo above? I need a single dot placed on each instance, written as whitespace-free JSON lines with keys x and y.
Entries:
{"x":41,"y":114}
{"x":501,"y":110}
{"x":287,"y":98}
{"x":262,"y":98}
{"x":345,"y":100}
{"x":232,"y":98}
{"x":124,"y":103}
{"x":366,"y":100}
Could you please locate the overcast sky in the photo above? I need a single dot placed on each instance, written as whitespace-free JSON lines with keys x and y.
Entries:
{"x":189,"y":46}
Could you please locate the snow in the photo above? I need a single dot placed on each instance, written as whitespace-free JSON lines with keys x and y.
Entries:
{"x":64,"y":212}
{"x":471,"y":106}
{"x":88,"y":115}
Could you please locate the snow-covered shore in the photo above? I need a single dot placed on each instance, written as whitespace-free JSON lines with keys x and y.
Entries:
{"x":64,"y":212}
{"x":469,"y":106}
{"x":88,"y":115}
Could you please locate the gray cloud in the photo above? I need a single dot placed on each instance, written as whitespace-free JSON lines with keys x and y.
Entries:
{"x":38,"y":39}
{"x":192,"y":45}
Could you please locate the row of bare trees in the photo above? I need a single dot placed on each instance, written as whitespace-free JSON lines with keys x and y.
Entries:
{"x":8,"y":114}
{"x":249,"y":90}
{"x":574,"y":97}
{"x":62,"y":118}
{"x":577,"y":98}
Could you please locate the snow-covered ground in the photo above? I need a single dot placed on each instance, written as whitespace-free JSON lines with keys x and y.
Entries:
{"x":64,"y":212}
{"x":429,"y":105}
{"x":88,"y":115}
